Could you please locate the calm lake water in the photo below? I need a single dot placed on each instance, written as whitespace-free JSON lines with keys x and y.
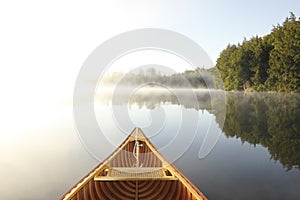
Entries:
{"x":253,"y":154}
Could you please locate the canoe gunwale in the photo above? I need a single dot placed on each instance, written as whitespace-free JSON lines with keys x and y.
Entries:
{"x":94,"y":175}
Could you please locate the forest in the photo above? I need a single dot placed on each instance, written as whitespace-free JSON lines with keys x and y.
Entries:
{"x":197,"y":78}
{"x":268,"y":63}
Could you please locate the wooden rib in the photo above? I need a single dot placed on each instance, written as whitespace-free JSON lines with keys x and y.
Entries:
{"x":88,"y":188}
{"x":176,"y":172}
{"x":96,"y":170}
{"x":98,"y":190}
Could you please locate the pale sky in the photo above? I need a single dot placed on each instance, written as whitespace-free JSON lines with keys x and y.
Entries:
{"x":43,"y":44}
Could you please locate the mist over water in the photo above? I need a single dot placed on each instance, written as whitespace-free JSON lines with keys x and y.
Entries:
{"x":257,"y":155}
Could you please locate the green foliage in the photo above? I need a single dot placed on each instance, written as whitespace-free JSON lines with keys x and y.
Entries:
{"x":225,"y":66}
{"x":264,"y":63}
{"x":270,"y":120}
{"x":285,"y":57}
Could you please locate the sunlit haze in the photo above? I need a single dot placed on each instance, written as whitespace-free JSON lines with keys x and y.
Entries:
{"x":44,"y":44}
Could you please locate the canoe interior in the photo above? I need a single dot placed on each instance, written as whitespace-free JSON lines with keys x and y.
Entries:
{"x":118,"y":177}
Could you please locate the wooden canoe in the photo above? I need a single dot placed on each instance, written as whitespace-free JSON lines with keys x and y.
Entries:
{"x":136,"y":170}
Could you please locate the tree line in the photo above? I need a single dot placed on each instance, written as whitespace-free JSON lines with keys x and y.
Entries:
{"x":268,"y":63}
{"x":197,"y":78}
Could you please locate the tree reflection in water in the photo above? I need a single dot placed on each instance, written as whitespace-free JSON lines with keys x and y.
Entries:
{"x":271,"y":120}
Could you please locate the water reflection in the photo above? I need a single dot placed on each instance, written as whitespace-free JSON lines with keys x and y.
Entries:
{"x":152,"y":97}
{"x":46,"y":161}
{"x":172,"y":118}
{"x":271,"y":120}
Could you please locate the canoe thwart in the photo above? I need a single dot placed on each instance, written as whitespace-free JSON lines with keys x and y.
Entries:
{"x":134,"y":173}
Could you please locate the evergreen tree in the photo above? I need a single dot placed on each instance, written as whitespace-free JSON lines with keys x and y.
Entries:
{"x":224,"y":65}
{"x":271,"y":62}
{"x":285,"y":57}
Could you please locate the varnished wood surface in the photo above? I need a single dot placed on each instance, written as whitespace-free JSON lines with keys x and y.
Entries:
{"x":90,"y":189}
